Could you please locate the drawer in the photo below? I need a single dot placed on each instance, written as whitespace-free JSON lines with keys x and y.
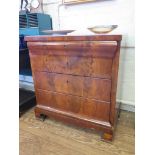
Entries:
{"x":84,"y":66}
{"x":95,"y":88}
{"x":84,"y":48}
{"x":38,"y":62}
{"x":78,"y":105}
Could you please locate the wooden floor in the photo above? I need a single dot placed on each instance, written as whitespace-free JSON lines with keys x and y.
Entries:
{"x":55,"y":138}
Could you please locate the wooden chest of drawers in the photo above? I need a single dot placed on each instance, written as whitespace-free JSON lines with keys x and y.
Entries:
{"x":75,"y":79}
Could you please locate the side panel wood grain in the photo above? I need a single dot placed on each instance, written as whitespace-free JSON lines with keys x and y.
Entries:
{"x":113,"y":107}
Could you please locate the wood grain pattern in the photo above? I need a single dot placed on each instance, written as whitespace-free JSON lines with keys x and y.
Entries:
{"x":75,"y":79}
{"x":106,"y":37}
{"x":88,"y":87}
{"x":94,"y":67}
{"x":98,"y":110}
{"x":113,"y":113}
{"x":54,"y":138}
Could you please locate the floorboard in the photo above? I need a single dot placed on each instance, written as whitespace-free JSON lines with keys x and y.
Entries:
{"x":55,"y":138}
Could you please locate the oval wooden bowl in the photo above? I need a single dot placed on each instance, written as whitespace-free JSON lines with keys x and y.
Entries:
{"x":102,"y":28}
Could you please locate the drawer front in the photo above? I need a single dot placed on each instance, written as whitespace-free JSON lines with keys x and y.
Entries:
{"x":77,"y":105}
{"x":38,"y":62}
{"x":88,"y":87}
{"x":84,"y":66}
{"x":85,"y":48}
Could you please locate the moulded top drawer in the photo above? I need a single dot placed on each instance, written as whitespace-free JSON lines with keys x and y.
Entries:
{"x":85,"y":48}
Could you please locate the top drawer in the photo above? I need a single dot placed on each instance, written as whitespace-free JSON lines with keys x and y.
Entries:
{"x":87,"y":58}
{"x":84,"y":48}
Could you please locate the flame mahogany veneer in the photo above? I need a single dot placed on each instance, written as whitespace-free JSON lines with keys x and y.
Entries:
{"x":75,"y":79}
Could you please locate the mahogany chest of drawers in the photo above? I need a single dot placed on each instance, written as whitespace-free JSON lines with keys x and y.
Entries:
{"x":75,"y":79}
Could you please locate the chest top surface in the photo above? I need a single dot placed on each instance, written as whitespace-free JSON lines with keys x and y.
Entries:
{"x":48,"y":38}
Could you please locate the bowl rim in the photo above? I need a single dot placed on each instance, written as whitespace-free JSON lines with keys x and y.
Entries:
{"x":103,"y":26}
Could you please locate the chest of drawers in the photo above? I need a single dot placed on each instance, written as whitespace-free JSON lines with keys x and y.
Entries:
{"x":75,"y":79}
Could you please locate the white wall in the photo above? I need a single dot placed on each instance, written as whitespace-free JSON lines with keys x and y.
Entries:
{"x":119,"y":12}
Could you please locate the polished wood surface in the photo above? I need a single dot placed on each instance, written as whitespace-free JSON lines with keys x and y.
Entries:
{"x":87,"y":87}
{"x":77,"y":105}
{"x":75,"y":79}
{"x":94,"y":67}
{"x":55,"y":138}
{"x":75,"y":38}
